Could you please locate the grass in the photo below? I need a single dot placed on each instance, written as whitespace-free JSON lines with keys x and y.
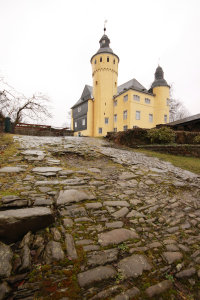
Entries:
{"x":191,"y":164}
{"x":7,"y":148}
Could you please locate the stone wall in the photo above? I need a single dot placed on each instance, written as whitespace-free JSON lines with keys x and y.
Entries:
{"x":184,"y":150}
{"x":137,"y":136}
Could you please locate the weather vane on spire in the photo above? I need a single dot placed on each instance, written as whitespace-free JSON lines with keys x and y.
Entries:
{"x":105,"y":26}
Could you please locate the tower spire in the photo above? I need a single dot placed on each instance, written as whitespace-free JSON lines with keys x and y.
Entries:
{"x":105,"y":26}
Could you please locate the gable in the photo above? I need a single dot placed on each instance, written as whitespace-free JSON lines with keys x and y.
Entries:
{"x":86,"y":95}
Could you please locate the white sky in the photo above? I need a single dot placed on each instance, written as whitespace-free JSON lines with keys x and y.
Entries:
{"x":46,"y":46}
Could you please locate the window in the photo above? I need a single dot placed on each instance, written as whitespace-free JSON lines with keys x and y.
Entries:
{"x":95,"y":61}
{"x":100,"y":130}
{"x":125,"y":127}
{"x":165,"y":118}
{"x":115,"y":129}
{"x":114,"y":61}
{"x":151,"y":118}
{"x":115,"y":118}
{"x":100,"y":59}
{"x":168,"y":102}
{"x":115,"y":83}
{"x":83,"y":122}
{"x":126,"y":98}
{"x":136,"y":97}
{"x":147,"y":101}
{"x":96,"y":82}
{"x":125,"y":115}
{"x":115,"y":102}
{"x":75,"y":124}
{"x":79,"y":109}
{"x":106,"y":120}
{"x":137,"y":115}
{"x":108,"y":59}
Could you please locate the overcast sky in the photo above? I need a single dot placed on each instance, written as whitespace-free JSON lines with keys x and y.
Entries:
{"x":46,"y":46}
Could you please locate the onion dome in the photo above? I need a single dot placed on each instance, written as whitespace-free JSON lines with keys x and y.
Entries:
{"x":104,"y":46}
{"x":159,"y":78}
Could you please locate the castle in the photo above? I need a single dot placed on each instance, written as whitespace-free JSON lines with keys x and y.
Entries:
{"x":108,"y":107}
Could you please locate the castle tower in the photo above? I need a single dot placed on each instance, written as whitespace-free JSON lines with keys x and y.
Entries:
{"x":160,"y":89}
{"x":105,"y":74}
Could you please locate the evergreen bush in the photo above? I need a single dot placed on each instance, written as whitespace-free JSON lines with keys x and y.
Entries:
{"x":163,"y":135}
{"x":197,"y":139}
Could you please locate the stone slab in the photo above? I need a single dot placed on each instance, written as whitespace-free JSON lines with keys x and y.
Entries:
{"x":96,"y":275}
{"x":93,"y":205}
{"x":5,"y":260}
{"x":120,"y":213}
{"x":159,"y":288}
{"x":127,"y":176}
{"x":33,"y":152}
{"x":53,"y":252}
{"x":46,"y":169}
{"x":15,"y":223}
{"x":116,"y":224}
{"x":186,"y":273}
{"x":116,"y":236}
{"x":171,"y":257}
{"x":11,"y":170}
{"x":134,"y":265}
{"x":70,"y":196}
{"x":71,"y":250}
{"x":102,"y":257}
{"x":116,"y":203}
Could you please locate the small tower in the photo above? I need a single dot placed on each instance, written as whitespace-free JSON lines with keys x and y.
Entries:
{"x":105,"y":73}
{"x":160,"y":89}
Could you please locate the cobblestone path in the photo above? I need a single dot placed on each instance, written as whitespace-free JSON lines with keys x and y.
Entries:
{"x":95,"y":222}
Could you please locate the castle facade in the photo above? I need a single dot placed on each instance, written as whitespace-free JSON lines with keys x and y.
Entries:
{"x":108,"y":107}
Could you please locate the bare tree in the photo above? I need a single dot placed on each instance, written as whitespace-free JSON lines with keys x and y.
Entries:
{"x":20,"y":108}
{"x":177,"y":110}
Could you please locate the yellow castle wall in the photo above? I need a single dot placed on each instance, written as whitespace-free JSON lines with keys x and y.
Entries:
{"x":104,"y":88}
{"x":161,"y":108}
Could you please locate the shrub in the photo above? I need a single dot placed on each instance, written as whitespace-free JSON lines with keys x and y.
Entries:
{"x":197,"y":139}
{"x":163,"y":135}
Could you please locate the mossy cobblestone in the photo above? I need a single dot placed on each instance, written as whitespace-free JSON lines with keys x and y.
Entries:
{"x":125,"y":225}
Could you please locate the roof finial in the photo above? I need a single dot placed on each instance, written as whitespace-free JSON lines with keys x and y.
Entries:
{"x":159,"y":61}
{"x":105,"y":26}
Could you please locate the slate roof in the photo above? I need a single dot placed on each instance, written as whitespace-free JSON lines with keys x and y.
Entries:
{"x":86,"y":95}
{"x":131,"y":84}
{"x":186,"y":120}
